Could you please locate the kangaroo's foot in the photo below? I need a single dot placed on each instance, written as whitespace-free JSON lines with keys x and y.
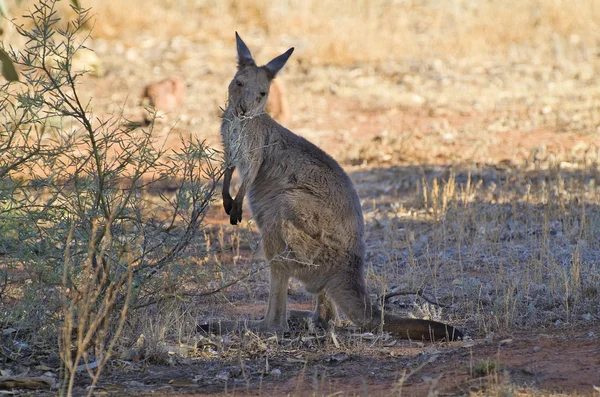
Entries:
{"x":301,"y":316}
{"x":224,"y":327}
{"x":325,"y":313}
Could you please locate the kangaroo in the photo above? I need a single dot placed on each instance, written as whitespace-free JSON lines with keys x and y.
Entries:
{"x":307,"y":210}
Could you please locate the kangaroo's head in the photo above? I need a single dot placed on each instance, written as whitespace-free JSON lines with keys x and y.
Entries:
{"x":249,"y":89}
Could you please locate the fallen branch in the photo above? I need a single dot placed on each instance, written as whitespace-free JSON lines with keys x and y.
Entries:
{"x":26,"y":382}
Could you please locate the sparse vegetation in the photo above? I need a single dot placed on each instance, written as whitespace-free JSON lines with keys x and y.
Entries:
{"x":486,"y":368}
{"x":81,"y":239}
{"x":470,"y":129}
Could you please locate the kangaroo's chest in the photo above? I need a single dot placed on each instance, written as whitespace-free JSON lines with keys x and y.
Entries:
{"x":242,"y":144}
{"x":232,"y":135}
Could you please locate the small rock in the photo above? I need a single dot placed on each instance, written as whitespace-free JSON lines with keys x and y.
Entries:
{"x":134,"y":354}
{"x":417,"y":99}
{"x":536,"y":349}
{"x":338,"y":358}
{"x":368,"y":336}
{"x":21,"y":345}
{"x":528,"y":371}
{"x":135,"y":383}
{"x":167,"y":94}
{"x":448,"y":136}
{"x":182,"y":383}
{"x":223,"y":375}
{"x":277,"y":105}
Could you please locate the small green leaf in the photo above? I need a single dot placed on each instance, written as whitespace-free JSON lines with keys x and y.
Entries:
{"x":3,"y":11}
{"x":75,"y":3}
{"x":8,"y":69}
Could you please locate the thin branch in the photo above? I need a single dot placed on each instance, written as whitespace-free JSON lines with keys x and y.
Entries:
{"x":208,"y":293}
{"x":418,"y":293}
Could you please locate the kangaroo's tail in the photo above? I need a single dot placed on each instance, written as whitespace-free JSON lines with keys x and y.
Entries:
{"x":411,"y":328}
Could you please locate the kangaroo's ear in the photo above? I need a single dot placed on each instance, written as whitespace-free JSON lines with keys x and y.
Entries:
{"x":276,"y":64}
{"x":244,"y":55}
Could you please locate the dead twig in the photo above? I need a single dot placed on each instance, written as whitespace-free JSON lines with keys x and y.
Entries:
{"x":418,"y":293}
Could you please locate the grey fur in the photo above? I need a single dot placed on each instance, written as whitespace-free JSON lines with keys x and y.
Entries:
{"x":307,"y":210}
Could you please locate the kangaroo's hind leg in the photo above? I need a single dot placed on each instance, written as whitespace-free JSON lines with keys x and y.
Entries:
{"x":350,"y":293}
{"x":276,"y":314}
{"x":325,"y":311}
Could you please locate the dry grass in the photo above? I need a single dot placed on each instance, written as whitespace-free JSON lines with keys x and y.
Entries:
{"x":511,"y":248}
{"x":364,"y":31}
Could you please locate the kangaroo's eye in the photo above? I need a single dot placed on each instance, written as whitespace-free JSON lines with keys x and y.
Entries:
{"x":239,"y":83}
{"x":263,"y":93}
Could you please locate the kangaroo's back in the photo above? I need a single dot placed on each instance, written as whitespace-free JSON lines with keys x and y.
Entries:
{"x":297,"y":179}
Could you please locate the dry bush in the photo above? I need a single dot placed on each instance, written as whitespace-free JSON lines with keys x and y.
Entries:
{"x":81,"y":238}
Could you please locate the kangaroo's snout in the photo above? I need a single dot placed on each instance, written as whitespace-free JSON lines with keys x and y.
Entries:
{"x":242,"y":108}
{"x":247,"y":103}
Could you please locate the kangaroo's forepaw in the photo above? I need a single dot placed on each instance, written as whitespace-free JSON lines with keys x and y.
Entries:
{"x":235,"y":215}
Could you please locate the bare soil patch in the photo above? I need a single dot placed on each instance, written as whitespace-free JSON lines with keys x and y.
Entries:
{"x":545,"y":361}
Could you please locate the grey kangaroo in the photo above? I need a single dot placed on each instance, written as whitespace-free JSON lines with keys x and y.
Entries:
{"x":307,"y":210}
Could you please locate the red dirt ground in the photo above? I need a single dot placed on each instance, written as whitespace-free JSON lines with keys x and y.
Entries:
{"x":554,"y":360}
